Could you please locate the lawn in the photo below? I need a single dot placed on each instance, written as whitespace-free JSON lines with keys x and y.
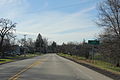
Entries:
{"x":5,"y":60}
{"x":14,"y":58}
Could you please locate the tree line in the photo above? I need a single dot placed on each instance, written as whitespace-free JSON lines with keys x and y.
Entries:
{"x":10,"y":47}
{"x":108,"y":49}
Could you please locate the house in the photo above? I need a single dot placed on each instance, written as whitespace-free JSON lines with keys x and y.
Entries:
{"x":15,"y":49}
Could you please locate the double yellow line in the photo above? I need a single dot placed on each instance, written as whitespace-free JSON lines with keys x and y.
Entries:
{"x":17,"y":75}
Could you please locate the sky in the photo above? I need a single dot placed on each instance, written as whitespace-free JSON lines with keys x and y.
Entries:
{"x":56,"y":20}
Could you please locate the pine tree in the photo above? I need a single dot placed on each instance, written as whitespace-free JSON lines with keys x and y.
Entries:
{"x":39,"y":44}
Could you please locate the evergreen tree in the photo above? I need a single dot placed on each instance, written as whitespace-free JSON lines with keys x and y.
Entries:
{"x":54,"y":47}
{"x":39,"y":44}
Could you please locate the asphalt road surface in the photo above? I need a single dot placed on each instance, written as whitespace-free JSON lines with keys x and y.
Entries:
{"x":48,"y":67}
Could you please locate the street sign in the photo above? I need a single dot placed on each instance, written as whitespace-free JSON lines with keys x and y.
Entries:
{"x":94,"y":42}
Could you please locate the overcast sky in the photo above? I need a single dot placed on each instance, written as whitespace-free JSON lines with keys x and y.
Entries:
{"x":57,"y":20}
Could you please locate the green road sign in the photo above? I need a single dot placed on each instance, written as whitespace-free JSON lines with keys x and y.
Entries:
{"x":94,"y":42}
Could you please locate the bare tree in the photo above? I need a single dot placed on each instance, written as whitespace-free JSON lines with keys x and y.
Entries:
{"x":7,"y":28}
{"x":45,"y":40}
{"x":31,"y":45}
{"x":21,"y":42}
{"x":109,"y":19}
{"x":109,"y":16}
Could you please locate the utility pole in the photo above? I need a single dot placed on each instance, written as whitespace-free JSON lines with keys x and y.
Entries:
{"x":25,"y":40}
{"x":25,"y":44}
{"x":25,"y":37}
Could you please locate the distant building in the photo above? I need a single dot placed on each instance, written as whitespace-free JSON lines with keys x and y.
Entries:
{"x":15,"y":49}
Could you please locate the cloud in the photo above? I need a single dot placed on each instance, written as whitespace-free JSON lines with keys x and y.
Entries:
{"x":46,"y":4}
{"x":12,"y":3}
{"x":56,"y":21}
{"x":7,"y":2}
{"x":85,"y":11}
{"x":76,"y":36}
{"x":59,"y":26}
{"x":55,"y":25}
{"x":12,"y":9}
{"x":27,"y":33}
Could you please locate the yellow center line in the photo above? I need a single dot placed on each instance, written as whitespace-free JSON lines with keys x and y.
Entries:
{"x":17,"y":75}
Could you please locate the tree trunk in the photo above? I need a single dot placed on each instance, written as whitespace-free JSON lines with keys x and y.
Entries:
{"x":118,"y":64}
{"x":1,"y":47}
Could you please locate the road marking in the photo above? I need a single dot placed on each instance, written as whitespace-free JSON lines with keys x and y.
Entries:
{"x":17,"y":75}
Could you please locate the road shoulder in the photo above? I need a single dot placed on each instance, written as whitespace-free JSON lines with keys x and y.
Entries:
{"x":102,"y":71}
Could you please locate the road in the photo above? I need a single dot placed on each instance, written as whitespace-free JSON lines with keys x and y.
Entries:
{"x":48,"y":67}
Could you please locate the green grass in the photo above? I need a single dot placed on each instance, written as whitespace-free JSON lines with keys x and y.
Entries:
{"x":73,"y":56}
{"x":100,"y":64}
{"x":5,"y":60}
{"x":106,"y":66}
{"x":13,"y":58}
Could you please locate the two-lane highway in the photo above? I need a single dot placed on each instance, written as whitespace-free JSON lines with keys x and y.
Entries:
{"x":48,"y":67}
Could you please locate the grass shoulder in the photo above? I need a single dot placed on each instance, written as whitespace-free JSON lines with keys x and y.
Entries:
{"x":17,"y":57}
{"x":96,"y":63}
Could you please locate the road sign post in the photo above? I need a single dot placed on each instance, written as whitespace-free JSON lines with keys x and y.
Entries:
{"x":93,"y":43}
